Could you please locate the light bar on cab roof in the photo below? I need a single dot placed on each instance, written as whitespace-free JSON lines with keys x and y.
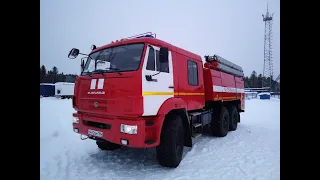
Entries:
{"x":147,"y":34}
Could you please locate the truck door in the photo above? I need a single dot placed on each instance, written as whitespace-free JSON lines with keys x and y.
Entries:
{"x":160,"y":88}
{"x":195,"y":87}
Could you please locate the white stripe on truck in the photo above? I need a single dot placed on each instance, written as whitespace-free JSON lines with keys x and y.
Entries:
{"x":227,"y":89}
{"x":100,"y":83}
{"x":94,"y":83}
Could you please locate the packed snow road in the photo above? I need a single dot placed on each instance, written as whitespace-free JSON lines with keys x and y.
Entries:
{"x":250,"y":152}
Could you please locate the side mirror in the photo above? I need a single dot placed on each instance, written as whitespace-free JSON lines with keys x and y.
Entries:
{"x":163,"y":55}
{"x":73,"y":53}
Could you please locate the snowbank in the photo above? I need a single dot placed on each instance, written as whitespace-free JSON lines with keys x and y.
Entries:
{"x":250,"y":152}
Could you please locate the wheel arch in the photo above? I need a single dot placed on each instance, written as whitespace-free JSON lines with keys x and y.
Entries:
{"x":177,"y":106}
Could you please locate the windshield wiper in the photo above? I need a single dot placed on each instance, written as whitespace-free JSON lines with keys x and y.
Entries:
{"x":103,"y":71}
{"x":89,"y":74}
{"x":99,"y":71}
{"x":115,"y":70}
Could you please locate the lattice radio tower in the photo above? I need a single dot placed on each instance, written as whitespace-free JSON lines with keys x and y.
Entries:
{"x":267,"y":65}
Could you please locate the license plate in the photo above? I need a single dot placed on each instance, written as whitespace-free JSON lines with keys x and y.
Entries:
{"x":95,"y":133}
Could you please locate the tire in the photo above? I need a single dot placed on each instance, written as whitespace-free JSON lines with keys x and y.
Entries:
{"x":220,"y":122}
{"x":106,"y":145}
{"x":170,"y":150}
{"x":234,"y":118}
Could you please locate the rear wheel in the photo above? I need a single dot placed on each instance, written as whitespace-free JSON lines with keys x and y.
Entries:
{"x":170,"y":150}
{"x":220,"y":122}
{"x":106,"y":145}
{"x":234,"y":118}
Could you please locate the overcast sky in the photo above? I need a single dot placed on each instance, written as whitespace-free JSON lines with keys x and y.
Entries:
{"x":232,"y":29}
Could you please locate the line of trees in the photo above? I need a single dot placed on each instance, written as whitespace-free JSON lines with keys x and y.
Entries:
{"x":53,"y":76}
{"x":255,"y":81}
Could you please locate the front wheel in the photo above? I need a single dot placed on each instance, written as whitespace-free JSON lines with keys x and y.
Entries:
{"x":170,"y":150}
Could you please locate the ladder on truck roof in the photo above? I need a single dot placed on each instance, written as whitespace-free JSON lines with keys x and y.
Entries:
{"x":225,"y":65}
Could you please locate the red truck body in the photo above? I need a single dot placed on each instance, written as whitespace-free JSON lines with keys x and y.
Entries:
{"x":182,"y":86}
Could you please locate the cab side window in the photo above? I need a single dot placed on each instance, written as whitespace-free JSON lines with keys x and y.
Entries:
{"x":193,"y":73}
{"x":164,"y":67}
{"x":153,"y":63}
{"x":151,"y":58}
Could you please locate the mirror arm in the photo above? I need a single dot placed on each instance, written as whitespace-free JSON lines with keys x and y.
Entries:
{"x":84,"y":54}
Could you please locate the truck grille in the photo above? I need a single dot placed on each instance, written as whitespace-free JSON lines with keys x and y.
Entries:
{"x":97,"y":124}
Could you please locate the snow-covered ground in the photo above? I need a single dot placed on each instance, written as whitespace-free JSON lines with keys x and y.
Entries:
{"x":250,"y":152}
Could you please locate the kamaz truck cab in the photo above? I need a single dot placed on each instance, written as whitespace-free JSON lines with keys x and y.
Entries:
{"x":115,"y":95}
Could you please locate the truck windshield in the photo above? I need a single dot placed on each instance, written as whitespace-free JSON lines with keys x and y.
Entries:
{"x":120,"y":58}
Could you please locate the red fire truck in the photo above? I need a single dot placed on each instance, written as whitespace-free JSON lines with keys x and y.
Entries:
{"x":143,"y":92}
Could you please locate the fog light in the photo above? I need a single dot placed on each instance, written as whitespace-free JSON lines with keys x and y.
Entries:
{"x":76,"y":130}
{"x":124,"y":142}
{"x":75,"y":120}
{"x":129,"y":129}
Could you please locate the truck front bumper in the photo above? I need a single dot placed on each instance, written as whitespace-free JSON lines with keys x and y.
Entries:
{"x":109,"y":129}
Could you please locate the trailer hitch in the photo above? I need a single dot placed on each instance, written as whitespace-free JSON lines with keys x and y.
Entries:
{"x":83,"y":138}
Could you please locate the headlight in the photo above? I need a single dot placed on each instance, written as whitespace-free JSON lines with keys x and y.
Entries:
{"x":129,"y":129}
{"x":75,"y":120}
